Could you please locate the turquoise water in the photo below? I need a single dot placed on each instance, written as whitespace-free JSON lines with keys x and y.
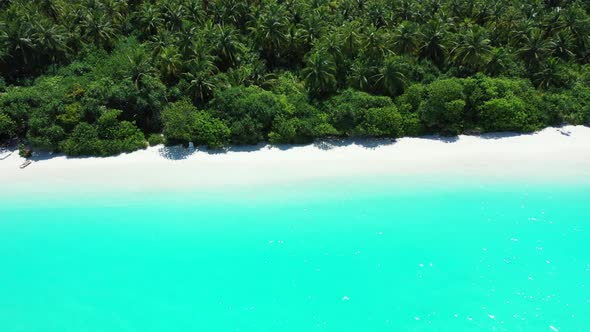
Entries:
{"x":339,"y":256}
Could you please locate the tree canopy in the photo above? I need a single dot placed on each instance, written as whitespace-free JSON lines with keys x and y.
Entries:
{"x":100,"y":77}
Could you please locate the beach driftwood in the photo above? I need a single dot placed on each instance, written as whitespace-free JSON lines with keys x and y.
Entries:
{"x":25,"y":164}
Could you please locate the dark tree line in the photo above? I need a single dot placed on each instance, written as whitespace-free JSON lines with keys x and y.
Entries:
{"x":106,"y":76}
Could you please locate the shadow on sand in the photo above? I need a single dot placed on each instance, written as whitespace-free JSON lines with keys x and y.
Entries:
{"x":180,"y":152}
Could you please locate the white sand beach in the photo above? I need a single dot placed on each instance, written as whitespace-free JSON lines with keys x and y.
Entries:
{"x":552,"y":153}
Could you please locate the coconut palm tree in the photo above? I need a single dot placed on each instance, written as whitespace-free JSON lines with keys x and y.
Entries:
{"x":173,"y":16}
{"x":561,"y":45}
{"x":320,"y":74}
{"x":361,"y":75}
{"x":391,"y":77}
{"x":374,"y":44}
{"x":472,"y":49}
{"x":534,"y":47}
{"x":200,"y":85}
{"x":51,"y":40}
{"x":140,"y":66}
{"x":549,"y":75}
{"x":169,"y":62}
{"x":269,"y":32}
{"x":405,"y":38}
{"x":348,"y":35}
{"x":149,"y":20}
{"x":227,"y":46}
{"x":433,"y":42}
{"x":98,"y":30}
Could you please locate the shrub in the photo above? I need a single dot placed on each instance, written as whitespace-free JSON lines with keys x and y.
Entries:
{"x":249,"y":112}
{"x":156,"y":139}
{"x":504,"y":114}
{"x":444,"y":106}
{"x":184,"y":123}
{"x":209,"y":131}
{"x":7,"y":127}
{"x":380,"y":122}
{"x":24,"y":151}
{"x":346,"y":110}
{"x":82,"y":141}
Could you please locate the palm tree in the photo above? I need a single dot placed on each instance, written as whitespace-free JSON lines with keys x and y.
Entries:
{"x":472,"y":49}
{"x":200,"y":58}
{"x":349,"y":37}
{"x":562,"y":44}
{"x":270,"y":30}
{"x":374,"y":44}
{"x":577,"y":22}
{"x":391,"y":77}
{"x":361,"y":75}
{"x":149,"y":20}
{"x":500,"y":60}
{"x":169,"y":63}
{"x":227,"y":46}
{"x":330,"y":46}
{"x":405,"y":10}
{"x":158,"y":42}
{"x":534,"y":48}
{"x":200,"y":85}
{"x":432,"y":42}
{"x":195,"y":11}
{"x":3,"y":42}
{"x":51,"y":40}
{"x":405,"y":38}
{"x":173,"y":16}
{"x":294,"y":44}
{"x":19,"y":37}
{"x":116,"y":10}
{"x":51,"y":8}
{"x":320,"y":74}
{"x":185,"y":39}
{"x":140,"y":66}
{"x":549,"y":75}
{"x":98,"y":30}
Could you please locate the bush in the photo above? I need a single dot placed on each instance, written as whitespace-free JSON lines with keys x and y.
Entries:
{"x":444,"y":106}
{"x":504,"y":114}
{"x":82,"y":141}
{"x":380,"y":122}
{"x":209,"y":131}
{"x":108,"y":137}
{"x":184,"y":123}
{"x":412,"y":126}
{"x":156,"y":139}
{"x":24,"y":151}
{"x":7,"y":127}
{"x":347,"y":110}
{"x":249,"y":112}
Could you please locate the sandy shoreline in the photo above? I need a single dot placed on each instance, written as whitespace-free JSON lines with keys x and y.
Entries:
{"x":550,"y":153}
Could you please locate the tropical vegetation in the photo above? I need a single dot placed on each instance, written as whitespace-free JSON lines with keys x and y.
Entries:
{"x":101,"y":77}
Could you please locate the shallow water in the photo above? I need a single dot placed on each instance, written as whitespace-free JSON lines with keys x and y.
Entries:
{"x":338,"y":256}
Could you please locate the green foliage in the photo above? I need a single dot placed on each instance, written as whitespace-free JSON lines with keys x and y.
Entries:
{"x":347,"y":110}
{"x":444,"y":106}
{"x":250,"y":112}
{"x":504,"y":114}
{"x":107,"y":137}
{"x":209,"y":131}
{"x":177,"y":121}
{"x":184,"y":123}
{"x":380,"y":122}
{"x":284,"y":71}
{"x":156,"y":139}
{"x":7,"y":127}
{"x":24,"y":151}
